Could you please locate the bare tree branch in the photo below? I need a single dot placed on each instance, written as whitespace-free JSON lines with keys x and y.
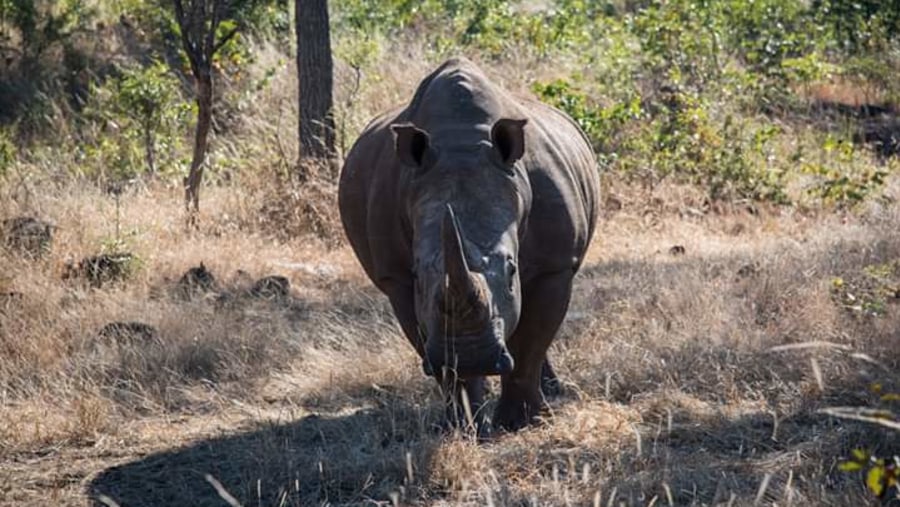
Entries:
{"x":224,"y":40}
{"x":209,"y":45}
{"x":873,"y":416}
{"x":187,"y":27}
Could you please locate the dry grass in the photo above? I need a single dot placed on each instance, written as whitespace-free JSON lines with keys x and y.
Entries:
{"x":674,"y":394}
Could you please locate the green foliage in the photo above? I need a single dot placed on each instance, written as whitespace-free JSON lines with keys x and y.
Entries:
{"x":7,"y":152}
{"x":138,"y":118}
{"x":36,"y":25}
{"x":597,"y":122}
{"x":268,"y":19}
{"x":860,"y":25}
{"x":842,"y":180}
{"x":809,"y":68}
{"x":729,"y":157}
{"x":493,"y":26}
{"x":882,"y":475}
{"x":767,"y":32}
{"x":674,"y":137}
{"x":679,"y":41}
{"x":870,"y":291}
{"x":38,"y":55}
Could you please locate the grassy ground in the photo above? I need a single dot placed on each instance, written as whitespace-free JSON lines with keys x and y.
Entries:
{"x":703,"y":340}
{"x":674,"y":394}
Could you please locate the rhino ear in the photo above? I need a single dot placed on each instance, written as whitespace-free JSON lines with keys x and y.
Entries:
{"x":508,"y":138}
{"x":411,"y":144}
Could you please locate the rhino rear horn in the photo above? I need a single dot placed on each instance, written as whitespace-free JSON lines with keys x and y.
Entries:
{"x":455,"y":264}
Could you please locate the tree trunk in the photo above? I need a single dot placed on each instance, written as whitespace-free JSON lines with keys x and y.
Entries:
{"x":204,"y":118}
{"x":150,"y":149}
{"x":315,"y":75}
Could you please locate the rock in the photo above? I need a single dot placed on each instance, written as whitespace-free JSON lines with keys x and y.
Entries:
{"x":101,"y":269}
{"x":271,"y":287}
{"x":677,"y":250}
{"x":613,"y":203}
{"x":196,"y":281}
{"x":125,"y":333}
{"x":28,"y":235}
{"x":748,"y":270}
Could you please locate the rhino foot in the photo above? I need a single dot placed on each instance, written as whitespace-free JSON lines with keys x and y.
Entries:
{"x":516,"y":412}
{"x":551,"y":386}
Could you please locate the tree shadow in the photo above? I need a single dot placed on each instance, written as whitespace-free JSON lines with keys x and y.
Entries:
{"x":872,"y":124}
{"x":710,"y":459}
{"x":351,"y":458}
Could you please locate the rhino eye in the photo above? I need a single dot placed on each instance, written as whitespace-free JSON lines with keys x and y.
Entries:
{"x":512,"y":274}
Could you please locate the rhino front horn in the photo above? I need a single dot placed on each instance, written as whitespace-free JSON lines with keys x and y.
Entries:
{"x":455,"y":264}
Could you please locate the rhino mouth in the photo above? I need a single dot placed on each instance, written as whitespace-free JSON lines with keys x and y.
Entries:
{"x":468,"y":355}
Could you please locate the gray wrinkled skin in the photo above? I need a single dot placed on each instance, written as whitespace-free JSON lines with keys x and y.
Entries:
{"x":471,"y":210}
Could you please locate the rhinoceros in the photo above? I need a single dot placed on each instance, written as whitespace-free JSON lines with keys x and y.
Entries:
{"x":471,"y":209}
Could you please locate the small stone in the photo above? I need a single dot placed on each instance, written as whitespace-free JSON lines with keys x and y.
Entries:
{"x":271,"y":287}
{"x":748,"y":270}
{"x":101,"y":269}
{"x":28,"y":235}
{"x":124,"y":333}
{"x":197,"y":280}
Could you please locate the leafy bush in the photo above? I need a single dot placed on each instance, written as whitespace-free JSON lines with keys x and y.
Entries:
{"x":674,"y":136}
{"x":842,"y":179}
{"x":765,"y":33}
{"x":37,"y":26}
{"x":860,"y":25}
{"x":679,"y":41}
{"x":138,"y":121}
{"x":7,"y":152}
{"x":492,"y":26}
{"x":601,"y":124}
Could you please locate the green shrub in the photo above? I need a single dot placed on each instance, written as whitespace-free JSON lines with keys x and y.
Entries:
{"x":843,"y":179}
{"x":7,"y":152}
{"x":859,"y":25}
{"x":138,"y":120}
{"x":674,"y":137}
{"x":601,"y":124}
{"x":679,"y":41}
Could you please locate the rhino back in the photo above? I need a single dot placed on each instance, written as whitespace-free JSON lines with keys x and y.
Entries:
{"x":457,"y":103}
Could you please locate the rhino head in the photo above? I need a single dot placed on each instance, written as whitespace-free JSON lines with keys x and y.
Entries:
{"x":467,"y":204}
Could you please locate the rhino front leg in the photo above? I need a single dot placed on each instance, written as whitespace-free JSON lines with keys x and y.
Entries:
{"x":463,"y":398}
{"x":544,"y":304}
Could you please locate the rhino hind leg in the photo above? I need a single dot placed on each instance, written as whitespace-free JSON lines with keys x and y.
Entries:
{"x":551,"y":386}
{"x":544,"y":306}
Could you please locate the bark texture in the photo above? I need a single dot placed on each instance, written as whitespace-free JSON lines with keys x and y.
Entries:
{"x":199,"y":21}
{"x":316,"y":80}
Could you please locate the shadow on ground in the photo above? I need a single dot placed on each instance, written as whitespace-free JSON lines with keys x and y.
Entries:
{"x":343,"y":459}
